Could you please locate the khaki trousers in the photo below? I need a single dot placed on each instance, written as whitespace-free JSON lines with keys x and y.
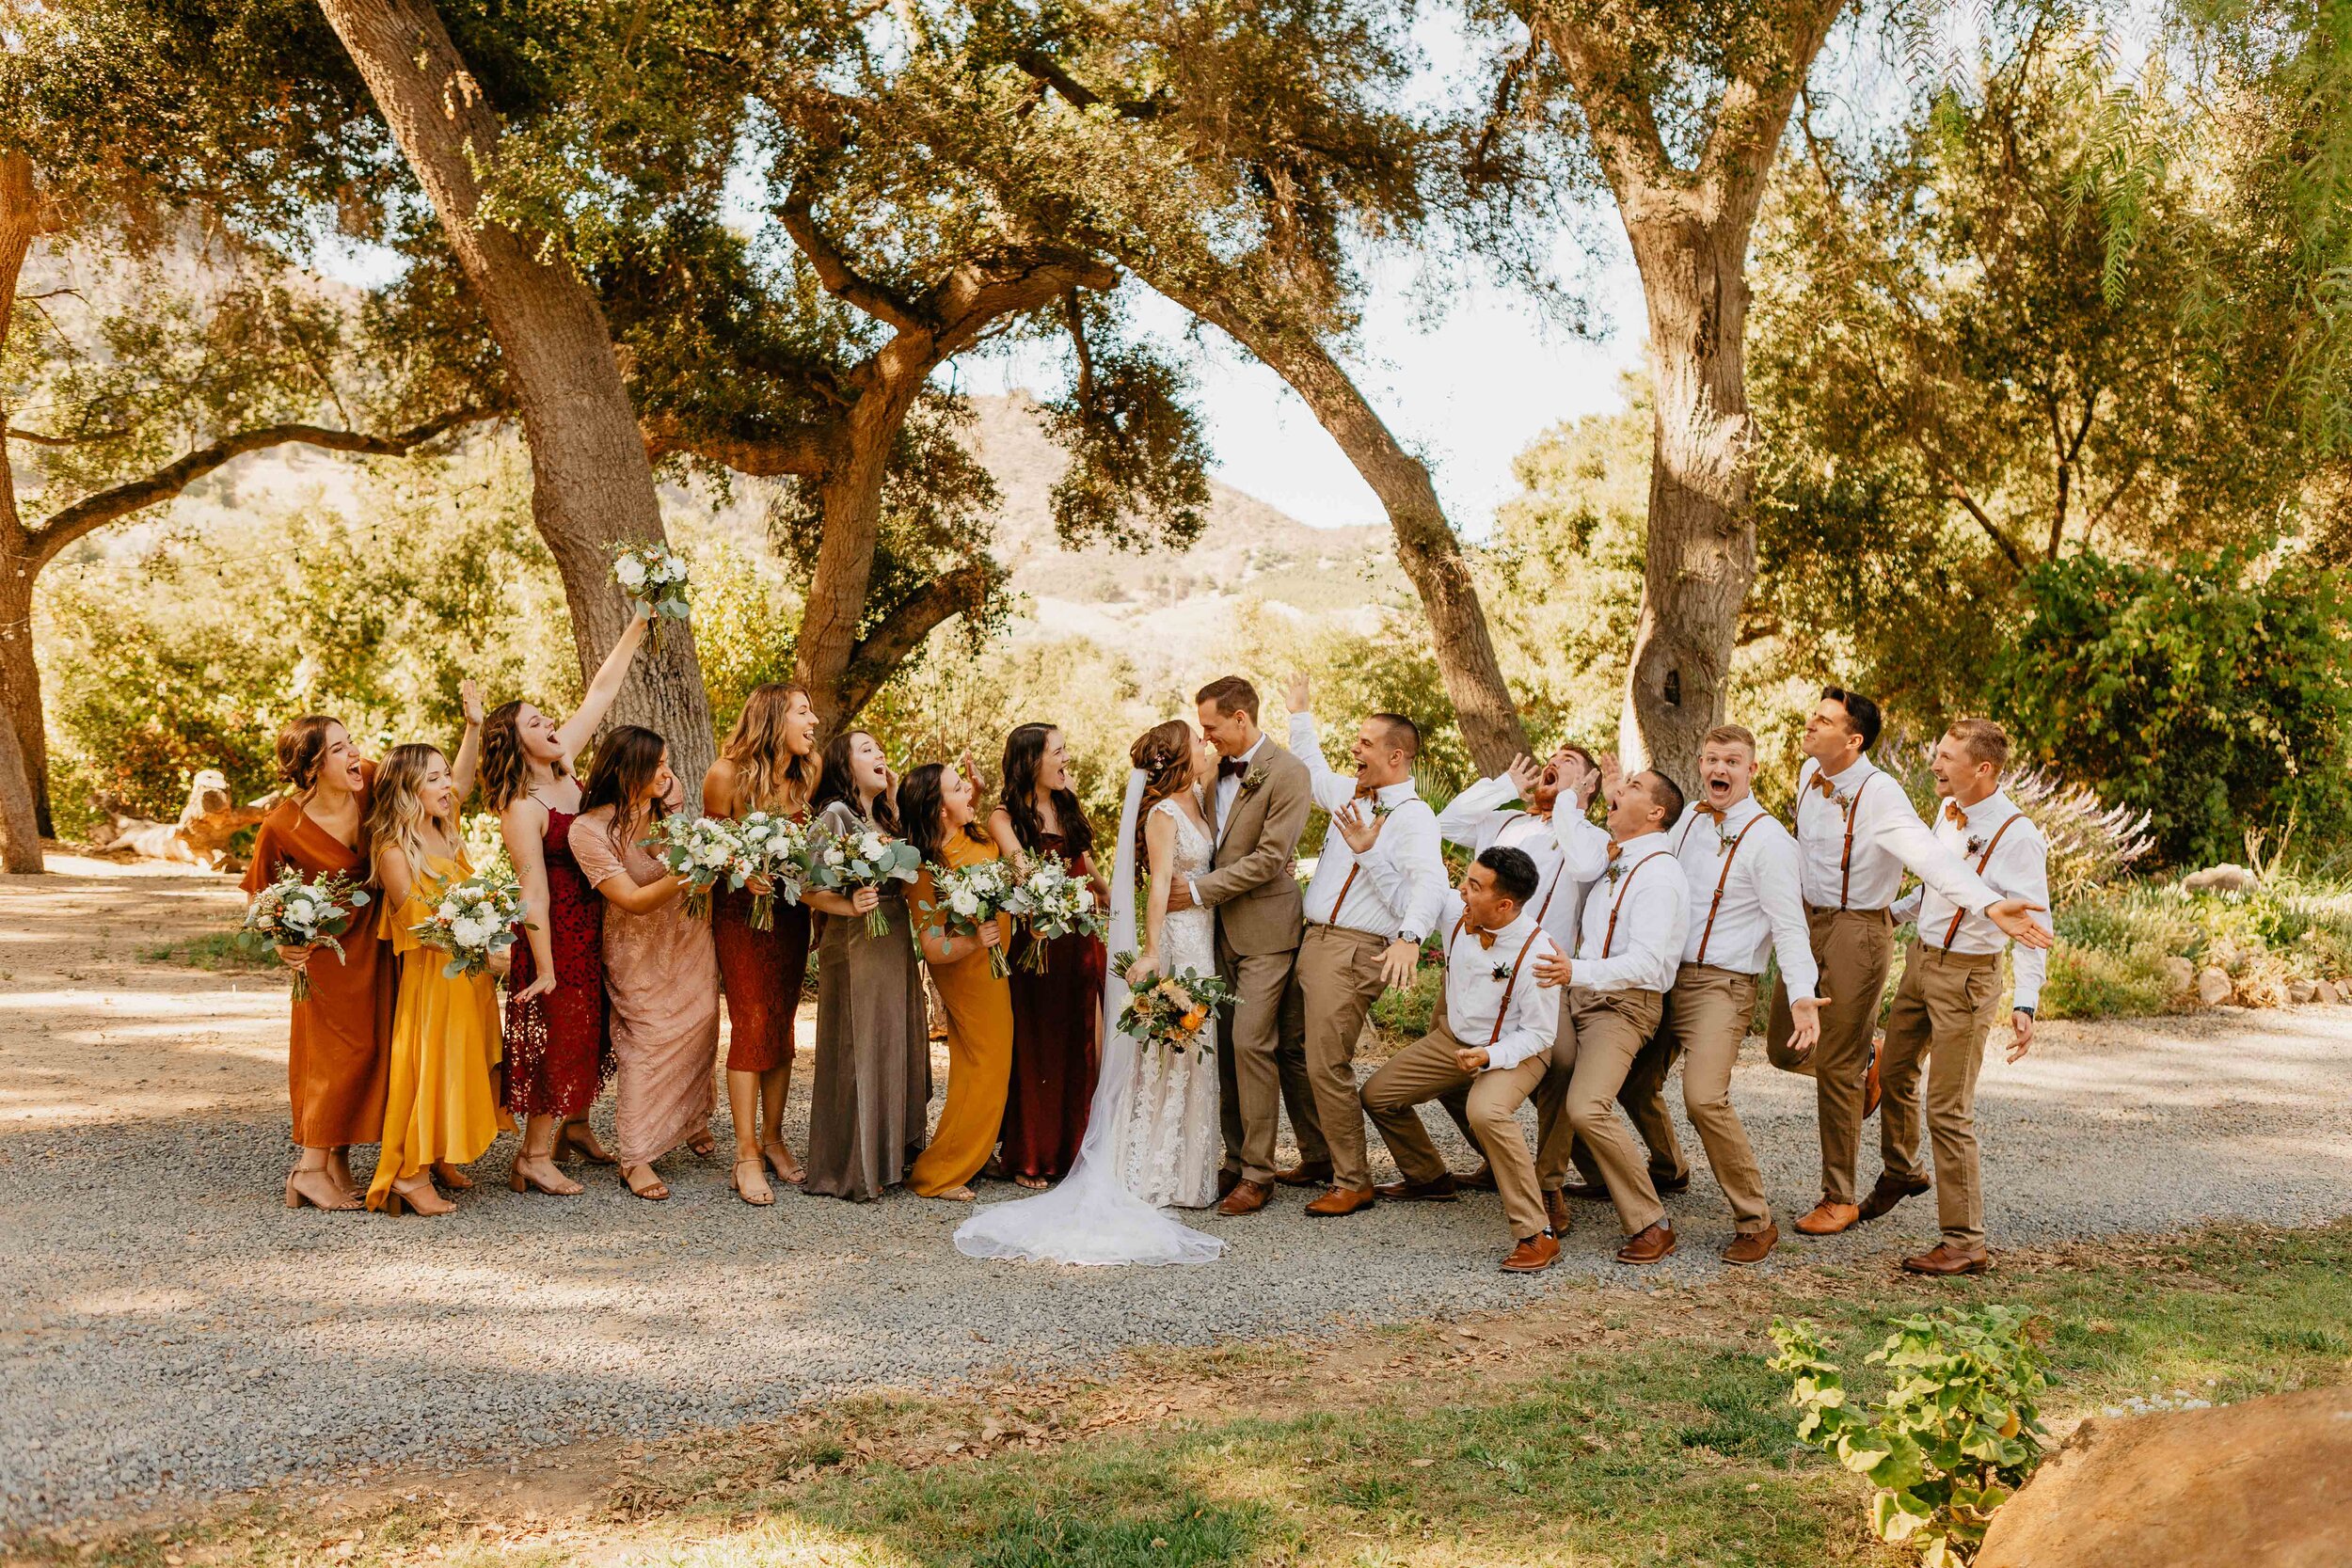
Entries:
{"x":1338,"y":980}
{"x":1611,"y":1028}
{"x":1558,"y":1150}
{"x":1709,"y":1012}
{"x":1426,"y":1070}
{"x":1944,"y":1007}
{"x":1855,"y":949}
{"x":1262,"y":1064}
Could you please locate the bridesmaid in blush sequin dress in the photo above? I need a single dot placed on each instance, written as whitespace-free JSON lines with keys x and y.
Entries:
{"x":1057,"y":1014}
{"x":559,"y":1044}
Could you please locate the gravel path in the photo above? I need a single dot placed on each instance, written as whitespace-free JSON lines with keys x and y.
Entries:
{"x":172,"y":1332}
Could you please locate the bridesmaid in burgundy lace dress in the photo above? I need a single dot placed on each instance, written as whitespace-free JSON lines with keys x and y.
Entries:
{"x":559,"y":1046}
{"x":1057,"y":1016}
{"x":767,"y":763}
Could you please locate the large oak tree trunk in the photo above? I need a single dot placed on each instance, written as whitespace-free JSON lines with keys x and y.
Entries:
{"x":1701,"y":556}
{"x":23,"y":747}
{"x":849,"y":507}
{"x":1427,"y":546}
{"x":592,"y":486}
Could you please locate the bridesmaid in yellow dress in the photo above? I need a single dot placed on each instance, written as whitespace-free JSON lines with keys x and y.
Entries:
{"x":439,"y":1109}
{"x":936,"y":803}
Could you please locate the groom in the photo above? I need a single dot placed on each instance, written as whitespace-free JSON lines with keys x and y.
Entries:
{"x":1260,"y":809}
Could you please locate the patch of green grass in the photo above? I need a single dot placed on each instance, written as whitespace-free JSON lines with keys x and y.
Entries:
{"x":213,"y":950}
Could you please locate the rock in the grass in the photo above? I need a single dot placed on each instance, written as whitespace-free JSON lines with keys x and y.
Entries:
{"x":2328,"y":993}
{"x":2225,"y":878}
{"x":2180,"y":976}
{"x":2263,"y":1484}
{"x":2302,"y":992}
{"x":2212,"y":985}
{"x":2223,"y":954}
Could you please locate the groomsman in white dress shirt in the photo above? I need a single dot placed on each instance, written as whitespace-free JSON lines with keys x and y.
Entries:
{"x":1950,"y":997}
{"x":1486,"y":1046}
{"x":1379,"y":889}
{"x":1629,"y":947}
{"x":1746,"y":905}
{"x":1856,"y":834}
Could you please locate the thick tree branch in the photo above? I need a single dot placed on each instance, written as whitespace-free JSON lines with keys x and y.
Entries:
{"x":896,"y":636}
{"x":1049,"y":72}
{"x":63,"y":527}
{"x":1619,"y":115}
{"x":834,"y":273}
{"x":985,"y":289}
{"x":802,"y":453}
{"x":1753,"y":111}
{"x":39,"y":439}
{"x":1993,"y":530}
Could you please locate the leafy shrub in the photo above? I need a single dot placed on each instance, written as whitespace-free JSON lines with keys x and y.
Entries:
{"x":2205,"y":693}
{"x":1950,"y":1441}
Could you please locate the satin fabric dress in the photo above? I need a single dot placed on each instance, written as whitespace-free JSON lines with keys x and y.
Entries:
{"x":980,"y":1041}
{"x":438,"y":1100}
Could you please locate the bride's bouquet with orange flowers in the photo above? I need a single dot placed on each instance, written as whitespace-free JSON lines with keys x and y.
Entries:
{"x":1171,"y":1010}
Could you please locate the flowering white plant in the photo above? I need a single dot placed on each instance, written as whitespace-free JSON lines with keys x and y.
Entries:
{"x":291,"y":912}
{"x":1053,"y":900}
{"x":475,"y":920}
{"x":654,"y":576}
{"x":776,"y":848}
{"x":968,"y":897}
{"x":867,"y":857}
{"x":703,"y":851}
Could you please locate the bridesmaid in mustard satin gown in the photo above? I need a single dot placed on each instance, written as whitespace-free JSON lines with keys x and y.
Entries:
{"x":936,"y":803}
{"x":440,"y":1108}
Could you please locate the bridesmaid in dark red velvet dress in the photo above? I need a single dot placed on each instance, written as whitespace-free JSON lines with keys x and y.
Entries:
{"x":559,"y":1048}
{"x":767,"y":763}
{"x":1057,"y":1016}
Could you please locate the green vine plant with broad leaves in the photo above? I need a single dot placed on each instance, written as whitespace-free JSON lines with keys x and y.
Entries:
{"x":1952,"y":1439}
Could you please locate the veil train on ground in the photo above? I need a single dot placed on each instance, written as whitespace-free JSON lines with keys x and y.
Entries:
{"x":1091,"y":1217}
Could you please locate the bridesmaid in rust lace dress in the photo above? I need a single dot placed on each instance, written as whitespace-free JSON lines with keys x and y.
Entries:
{"x":559,"y":1049}
{"x":767,"y":763}
{"x":1055,"y":1014}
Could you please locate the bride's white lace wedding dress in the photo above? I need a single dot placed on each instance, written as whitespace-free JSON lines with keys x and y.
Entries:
{"x":1093,"y":1215}
{"x":1173,"y":1143}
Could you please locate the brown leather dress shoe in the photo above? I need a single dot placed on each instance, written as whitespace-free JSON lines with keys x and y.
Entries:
{"x":1588,"y":1191}
{"x":1227,"y":1180}
{"x":1752,"y":1247}
{"x":1342,"y":1200}
{"x":1828,"y":1219}
{"x":1480,"y":1181}
{"x":1533,"y":1255}
{"x":1315,"y":1175}
{"x":1650,"y":1246}
{"x":1870,"y":1079}
{"x":1888,"y":1191}
{"x":1443,"y":1188}
{"x":1246,"y":1197}
{"x":1556,"y":1211}
{"x":1943,"y":1262}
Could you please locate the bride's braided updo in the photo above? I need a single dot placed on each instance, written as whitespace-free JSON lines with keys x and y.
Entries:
{"x":1164,"y":753}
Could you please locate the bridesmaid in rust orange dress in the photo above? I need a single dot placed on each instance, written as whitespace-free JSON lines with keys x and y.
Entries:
{"x":767,"y":763}
{"x":336,"y":1051}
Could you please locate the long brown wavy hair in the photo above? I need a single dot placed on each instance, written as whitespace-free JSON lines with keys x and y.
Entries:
{"x":770,"y":775}
{"x":396,"y":818}
{"x":626,"y":760}
{"x":1164,"y":753}
{"x":506,"y":772}
{"x":1023,"y":750}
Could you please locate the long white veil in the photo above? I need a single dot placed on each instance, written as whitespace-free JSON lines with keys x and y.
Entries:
{"x":1091,"y":1217}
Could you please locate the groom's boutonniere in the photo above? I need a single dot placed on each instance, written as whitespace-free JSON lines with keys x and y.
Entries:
{"x":1255,"y":777}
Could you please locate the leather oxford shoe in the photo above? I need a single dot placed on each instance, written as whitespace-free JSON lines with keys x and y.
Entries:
{"x":1246,"y":1197}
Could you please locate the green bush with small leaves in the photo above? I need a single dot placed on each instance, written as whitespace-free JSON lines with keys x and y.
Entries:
{"x":1955,"y":1435}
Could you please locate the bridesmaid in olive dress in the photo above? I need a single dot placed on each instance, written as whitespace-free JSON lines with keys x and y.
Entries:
{"x":872,"y":1085}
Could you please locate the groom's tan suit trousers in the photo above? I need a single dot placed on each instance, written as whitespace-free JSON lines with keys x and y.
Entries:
{"x":1253,"y":887}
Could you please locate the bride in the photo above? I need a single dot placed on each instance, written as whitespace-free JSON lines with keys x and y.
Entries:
{"x":1152,"y":1133}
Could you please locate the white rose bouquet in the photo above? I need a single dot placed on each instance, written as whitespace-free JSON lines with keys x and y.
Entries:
{"x":654,"y":576}
{"x":862,"y":859}
{"x":1053,"y":900}
{"x":291,"y":912}
{"x":970,"y":897}
{"x":475,"y":920}
{"x":703,"y":851}
{"x":776,"y":849}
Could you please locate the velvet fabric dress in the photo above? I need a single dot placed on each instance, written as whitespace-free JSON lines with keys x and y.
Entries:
{"x":872,"y":1084}
{"x":559,"y":1046}
{"x":661,"y":977}
{"x":1056,"y":1017}
{"x":341,"y":1032}
{"x":979,"y":1040}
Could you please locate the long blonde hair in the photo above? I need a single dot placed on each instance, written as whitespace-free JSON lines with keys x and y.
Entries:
{"x":770,"y":775}
{"x":396,"y":814}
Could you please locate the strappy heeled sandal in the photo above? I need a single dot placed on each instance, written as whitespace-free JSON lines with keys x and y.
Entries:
{"x":759,"y":1196}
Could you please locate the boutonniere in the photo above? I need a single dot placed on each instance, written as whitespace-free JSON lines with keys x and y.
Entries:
{"x":1724,"y":834}
{"x":1255,"y":777}
{"x":1499,"y":974}
{"x":1616,"y":869}
{"x":1975,"y":844}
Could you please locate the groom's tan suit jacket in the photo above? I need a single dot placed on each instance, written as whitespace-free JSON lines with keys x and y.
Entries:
{"x":1253,"y":884}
